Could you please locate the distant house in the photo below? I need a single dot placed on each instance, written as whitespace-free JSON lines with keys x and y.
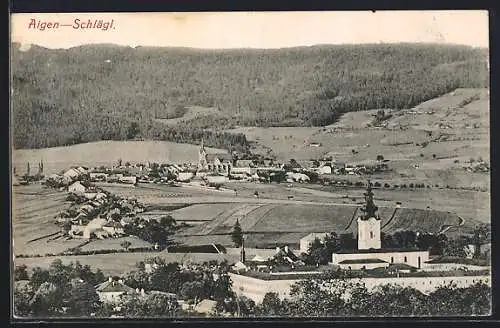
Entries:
{"x":324,"y":169}
{"x":71,"y":175}
{"x":184,"y":176}
{"x":111,"y":291}
{"x":128,"y":180}
{"x":93,"y":226}
{"x":98,"y":176}
{"x":77,"y":188}
{"x":306,"y":242}
{"x":240,"y":266}
{"x":300,"y":177}
{"x":82,"y":170}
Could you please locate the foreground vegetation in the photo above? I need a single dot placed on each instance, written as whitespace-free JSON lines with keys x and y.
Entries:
{"x":68,"y":291}
{"x":58,"y":96}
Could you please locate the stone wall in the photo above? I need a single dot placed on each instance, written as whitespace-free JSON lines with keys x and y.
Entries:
{"x":255,"y":289}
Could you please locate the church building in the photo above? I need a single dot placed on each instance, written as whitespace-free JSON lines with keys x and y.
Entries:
{"x":370,"y":253}
{"x":220,"y":163}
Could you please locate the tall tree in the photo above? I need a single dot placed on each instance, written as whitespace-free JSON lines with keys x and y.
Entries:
{"x":237,"y":234}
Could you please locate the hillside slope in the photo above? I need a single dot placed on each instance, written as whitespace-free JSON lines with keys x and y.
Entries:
{"x":97,"y":92}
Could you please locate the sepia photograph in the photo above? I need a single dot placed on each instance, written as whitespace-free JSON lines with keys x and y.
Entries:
{"x":246,"y":165}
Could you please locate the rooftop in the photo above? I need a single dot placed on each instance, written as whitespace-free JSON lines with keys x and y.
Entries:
{"x":381,"y":250}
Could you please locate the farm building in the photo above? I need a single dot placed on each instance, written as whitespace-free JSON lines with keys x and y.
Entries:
{"x":112,"y":290}
{"x":369,"y":254}
{"x":77,"y":188}
{"x":306,"y":242}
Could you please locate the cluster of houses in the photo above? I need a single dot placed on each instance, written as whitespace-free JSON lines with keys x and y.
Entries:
{"x":95,"y":213}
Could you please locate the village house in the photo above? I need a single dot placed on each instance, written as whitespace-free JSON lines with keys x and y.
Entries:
{"x":93,"y":226}
{"x":112,"y":290}
{"x":324,"y":169}
{"x":306,"y":242}
{"x":77,"y":188}
{"x":71,"y":175}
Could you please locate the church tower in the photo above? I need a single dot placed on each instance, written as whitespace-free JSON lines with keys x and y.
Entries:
{"x":369,"y":224}
{"x":202,"y":157}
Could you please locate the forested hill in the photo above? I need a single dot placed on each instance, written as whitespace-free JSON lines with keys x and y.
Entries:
{"x":97,"y":92}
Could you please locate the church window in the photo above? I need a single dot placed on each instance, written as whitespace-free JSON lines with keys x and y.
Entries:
{"x":371,"y":234}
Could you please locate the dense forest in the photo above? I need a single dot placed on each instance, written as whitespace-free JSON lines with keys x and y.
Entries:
{"x":107,"y":92}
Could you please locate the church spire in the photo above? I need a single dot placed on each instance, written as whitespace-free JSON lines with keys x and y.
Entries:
{"x":370,"y":208}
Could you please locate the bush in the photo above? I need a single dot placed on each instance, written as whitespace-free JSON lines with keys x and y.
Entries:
{"x":386,"y":185}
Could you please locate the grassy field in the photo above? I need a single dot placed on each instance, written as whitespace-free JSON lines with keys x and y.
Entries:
{"x":106,"y":153}
{"x":33,"y":211}
{"x":278,"y":223}
{"x":192,"y":112}
{"x":114,"y":244}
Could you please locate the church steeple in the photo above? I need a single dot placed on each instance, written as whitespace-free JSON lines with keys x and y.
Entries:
{"x":370,"y":208}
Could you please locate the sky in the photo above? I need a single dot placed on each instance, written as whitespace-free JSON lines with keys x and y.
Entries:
{"x":257,"y":29}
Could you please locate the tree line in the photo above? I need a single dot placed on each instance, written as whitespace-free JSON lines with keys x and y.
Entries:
{"x":94,"y":92}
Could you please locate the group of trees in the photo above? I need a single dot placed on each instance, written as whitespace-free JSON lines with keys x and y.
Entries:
{"x":309,"y":298}
{"x":57,"y":291}
{"x":96,"y":92}
{"x":153,"y":231}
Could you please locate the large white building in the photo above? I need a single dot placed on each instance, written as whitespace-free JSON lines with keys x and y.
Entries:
{"x":370,"y":254}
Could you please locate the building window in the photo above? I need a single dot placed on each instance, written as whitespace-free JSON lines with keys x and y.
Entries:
{"x":371,"y":234}
{"x":392,"y":259}
{"x":406,"y":259}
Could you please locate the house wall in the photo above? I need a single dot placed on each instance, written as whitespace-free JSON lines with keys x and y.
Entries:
{"x":255,"y":289}
{"x":451,"y":266}
{"x":110,"y":297}
{"x":360,"y":266}
{"x":412,"y":258}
